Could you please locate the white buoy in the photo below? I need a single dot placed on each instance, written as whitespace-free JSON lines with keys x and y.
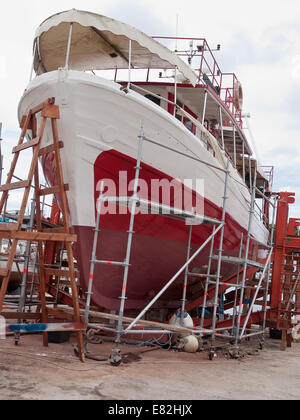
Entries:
{"x":187,"y":321}
{"x":191,"y":344}
{"x":296,"y":329}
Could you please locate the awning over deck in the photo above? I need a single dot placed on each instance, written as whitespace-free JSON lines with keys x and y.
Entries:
{"x":100,"y":43}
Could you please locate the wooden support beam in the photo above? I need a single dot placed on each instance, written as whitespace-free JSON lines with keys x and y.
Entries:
{"x":23,"y":123}
{"x":50,"y":149}
{"x":59,"y":273}
{"x":52,"y":190}
{"x":3,"y":272}
{"x":26,"y":145}
{"x":8,"y":227}
{"x":15,"y":185}
{"x":61,"y":315}
{"x":39,"y":236}
{"x":102,"y":315}
{"x":50,"y":111}
{"x":18,"y":315}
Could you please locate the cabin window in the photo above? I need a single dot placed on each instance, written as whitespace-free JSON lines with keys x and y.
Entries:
{"x":188,"y":124}
{"x":154,"y":99}
{"x":179,"y":117}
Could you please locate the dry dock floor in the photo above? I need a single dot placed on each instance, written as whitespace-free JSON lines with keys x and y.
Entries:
{"x":30,"y":371}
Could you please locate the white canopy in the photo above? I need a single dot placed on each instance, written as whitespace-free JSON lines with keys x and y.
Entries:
{"x":100,"y":43}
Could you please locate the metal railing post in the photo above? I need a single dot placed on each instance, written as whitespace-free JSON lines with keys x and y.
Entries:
{"x":175,"y":91}
{"x":221,"y":127}
{"x":204,"y":107}
{"x":244,"y":169}
{"x":234,"y":146}
{"x":129,"y":64}
{"x":69,"y":46}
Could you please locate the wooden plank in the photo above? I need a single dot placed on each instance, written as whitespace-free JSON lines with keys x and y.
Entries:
{"x":26,"y":145}
{"x":55,"y":230}
{"x":39,"y":236}
{"x":103,"y":315}
{"x":59,"y":230}
{"x":45,"y":327}
{"x":37,"y":108}
{"x":61,"y":315}
{"x":59,"y":273}
{"x":8,"y":227}
{"x":15,"y":186}
{"x":50,"y":111}
{"x":18,"y":315}
{"x":23,"y":123}
{"x":50,"y":149}
{"x":3,"y":272}
{"x":52,"y":190}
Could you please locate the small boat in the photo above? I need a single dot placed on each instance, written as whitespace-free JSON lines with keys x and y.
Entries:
{"x":111,"y":80}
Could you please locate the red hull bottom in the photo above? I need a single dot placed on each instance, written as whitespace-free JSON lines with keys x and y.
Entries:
{"x":154,"y":261}
{"x":159,"y":245}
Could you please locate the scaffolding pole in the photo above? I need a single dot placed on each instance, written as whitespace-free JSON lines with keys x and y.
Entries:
{"x":251,"y":214}
{"x":220,"y":253}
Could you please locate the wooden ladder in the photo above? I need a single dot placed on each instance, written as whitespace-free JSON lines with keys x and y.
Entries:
{"x":13,"y":231}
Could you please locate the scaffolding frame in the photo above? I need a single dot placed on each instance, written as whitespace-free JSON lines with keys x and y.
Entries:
{"x":239,"y":331}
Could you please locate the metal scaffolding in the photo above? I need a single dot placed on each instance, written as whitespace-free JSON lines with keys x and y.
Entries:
{"x":238,"y":327}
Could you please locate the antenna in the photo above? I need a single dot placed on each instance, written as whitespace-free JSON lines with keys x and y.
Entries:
{"x":177,"y":28}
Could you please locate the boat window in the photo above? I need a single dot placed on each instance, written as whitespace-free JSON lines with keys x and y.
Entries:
{"x":189,"y":125}
{"x":179,"y":117}
{"x":154,"y":99}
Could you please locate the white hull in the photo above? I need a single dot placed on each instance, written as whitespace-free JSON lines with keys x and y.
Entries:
{"x":97,"y":116}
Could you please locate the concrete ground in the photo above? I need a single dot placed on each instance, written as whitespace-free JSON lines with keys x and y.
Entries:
{"x":30,"y":371}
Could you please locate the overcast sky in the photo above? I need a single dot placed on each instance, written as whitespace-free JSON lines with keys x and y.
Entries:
{"x":260,"y":42}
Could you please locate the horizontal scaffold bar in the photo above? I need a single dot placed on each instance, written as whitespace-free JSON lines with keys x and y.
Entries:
{"x":236,"y":260}
{"x":152,"y":207}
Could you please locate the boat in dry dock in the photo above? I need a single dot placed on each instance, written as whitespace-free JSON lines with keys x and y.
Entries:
{"x":109,"y":80}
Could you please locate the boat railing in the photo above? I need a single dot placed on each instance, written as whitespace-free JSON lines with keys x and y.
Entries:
{"x":224,"y":84}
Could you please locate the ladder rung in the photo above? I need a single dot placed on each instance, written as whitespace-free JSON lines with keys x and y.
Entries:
{"x":8,"y":227}
{"x":26,"y":145}
{"x":50,"y":148}
{"x":3,"y":272}
{"x":15,"y":186}
{"x":52,"y":190}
